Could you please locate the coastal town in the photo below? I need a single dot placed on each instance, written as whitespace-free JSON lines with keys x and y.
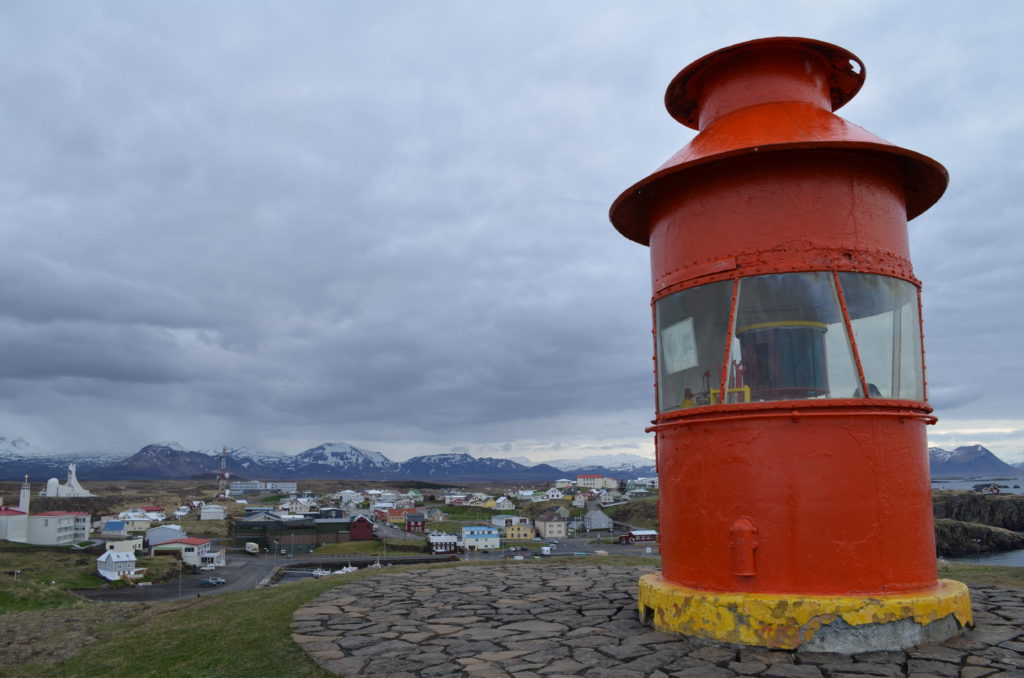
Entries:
{"x":262,"y":517}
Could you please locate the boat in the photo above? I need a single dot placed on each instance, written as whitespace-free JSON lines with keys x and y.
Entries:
{"x":320,"y":572}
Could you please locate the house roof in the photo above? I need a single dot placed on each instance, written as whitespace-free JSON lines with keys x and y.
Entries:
{"x":590,"y":475}
{"x":401,"y":511}
{"x":479,"y":528}
{"x":117,"y":555}
{"x":4,"y":511}
{"x":113,"y":525}
{"x":155,"y":509}
{"x":190,"y":541}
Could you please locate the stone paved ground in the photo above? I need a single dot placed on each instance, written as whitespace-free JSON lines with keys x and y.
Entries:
{"x":533,"y":621}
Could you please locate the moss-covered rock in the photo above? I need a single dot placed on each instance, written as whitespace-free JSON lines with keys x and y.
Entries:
{"x":998,"y":510}
{"x":957,"y":538}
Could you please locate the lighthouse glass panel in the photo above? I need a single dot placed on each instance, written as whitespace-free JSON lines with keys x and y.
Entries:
{"x":691,"y":333}
{"x":884,"y":318}
{"x":789,"y":341}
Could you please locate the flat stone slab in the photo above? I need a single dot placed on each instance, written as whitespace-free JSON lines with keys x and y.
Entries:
{"x":537,"y":620}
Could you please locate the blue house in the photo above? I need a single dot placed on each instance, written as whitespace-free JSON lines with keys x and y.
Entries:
{"x":480,"y":537}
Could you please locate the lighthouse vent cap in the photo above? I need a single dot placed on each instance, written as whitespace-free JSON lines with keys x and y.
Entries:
{"x":758,"y":71}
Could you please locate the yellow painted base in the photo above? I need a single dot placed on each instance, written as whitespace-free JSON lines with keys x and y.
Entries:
{"x":789,"y":621}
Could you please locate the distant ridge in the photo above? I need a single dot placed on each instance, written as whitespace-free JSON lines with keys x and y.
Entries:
{"x":968,"y":460}
{"x":167,"y":461}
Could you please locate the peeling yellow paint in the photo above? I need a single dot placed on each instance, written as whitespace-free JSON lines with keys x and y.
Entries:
{"x":788,"y":621}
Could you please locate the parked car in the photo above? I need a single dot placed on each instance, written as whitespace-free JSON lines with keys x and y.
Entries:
{"x":208,"y":568}
{"x":208,"y":584}
{"x":218,"y":581}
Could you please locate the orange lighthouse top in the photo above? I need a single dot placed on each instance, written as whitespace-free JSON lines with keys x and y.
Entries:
{"x":764,"y":96}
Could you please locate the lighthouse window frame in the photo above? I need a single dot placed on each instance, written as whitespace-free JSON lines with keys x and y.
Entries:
{"x":789,"y":336}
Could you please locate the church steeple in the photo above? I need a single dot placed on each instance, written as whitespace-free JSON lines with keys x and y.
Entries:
{"x":26,"y":496}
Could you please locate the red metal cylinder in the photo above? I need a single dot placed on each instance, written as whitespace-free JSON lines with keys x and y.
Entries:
{"x":791,"y":401}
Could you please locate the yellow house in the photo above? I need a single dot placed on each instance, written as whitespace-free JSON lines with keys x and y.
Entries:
{"x":520,"y":532}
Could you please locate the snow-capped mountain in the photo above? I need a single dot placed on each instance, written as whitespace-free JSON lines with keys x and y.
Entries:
{"x":169,"y":460}
{"x":343,"y":454}
{"x":938,"y":455}
{"x":608,"y":461}
{"x":967,"y":460}
{"x":455,"y":466}
{"x":19,"y":447}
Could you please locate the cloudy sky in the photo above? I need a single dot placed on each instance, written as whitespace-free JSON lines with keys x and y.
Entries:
{"x":274,"y":224}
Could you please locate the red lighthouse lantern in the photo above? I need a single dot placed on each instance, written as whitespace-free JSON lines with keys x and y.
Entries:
{"x":791,"y":407}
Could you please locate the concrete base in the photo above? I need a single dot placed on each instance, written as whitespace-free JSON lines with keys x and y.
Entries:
{"x":846,"y":624}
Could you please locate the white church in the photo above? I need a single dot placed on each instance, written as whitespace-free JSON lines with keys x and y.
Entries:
{"x":71,"y":489}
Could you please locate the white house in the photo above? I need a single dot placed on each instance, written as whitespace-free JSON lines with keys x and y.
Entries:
{"x":349,"y":496}
{"x":551,"y":525}
{"x":114,"y":565}
{"x":213,"y":512}
{"x":56,"y":528}
{"x":548,"y":495}
{"x":597,"y":520}
{"x":505,"y":520}
{"x":579,"y":500}
{"x":164,"y":533}
{"x":125,"y":544}
{"x":192,"y":551}
{"x":299,"y":505}
{"x":13,"y":524}
{"x":443,"y":543}
{"x":504,"y":504}
{"x":595,"y":481}
{"x":480,"y":537}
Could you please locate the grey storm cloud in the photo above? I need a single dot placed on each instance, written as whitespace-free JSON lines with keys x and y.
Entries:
{"x":261,"y":221}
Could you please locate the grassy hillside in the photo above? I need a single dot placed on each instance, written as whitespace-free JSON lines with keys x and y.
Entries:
{"x":46,"y":574}
{"x":642,"y":513}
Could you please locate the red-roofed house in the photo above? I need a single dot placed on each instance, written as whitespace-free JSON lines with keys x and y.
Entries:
{"x":55,"y":528}
{"x":397,"y":516}
{"x":13,"y":524}
{"x":191,"y":551}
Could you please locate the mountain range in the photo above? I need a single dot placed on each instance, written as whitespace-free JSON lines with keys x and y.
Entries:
{"x":169,"y":460}
{"x":968,"y":460}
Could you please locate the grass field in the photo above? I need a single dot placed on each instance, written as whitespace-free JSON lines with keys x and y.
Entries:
{"x":983,"y":574}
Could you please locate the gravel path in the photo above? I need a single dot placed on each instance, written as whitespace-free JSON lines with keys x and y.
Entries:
{"x":545,"y":622}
